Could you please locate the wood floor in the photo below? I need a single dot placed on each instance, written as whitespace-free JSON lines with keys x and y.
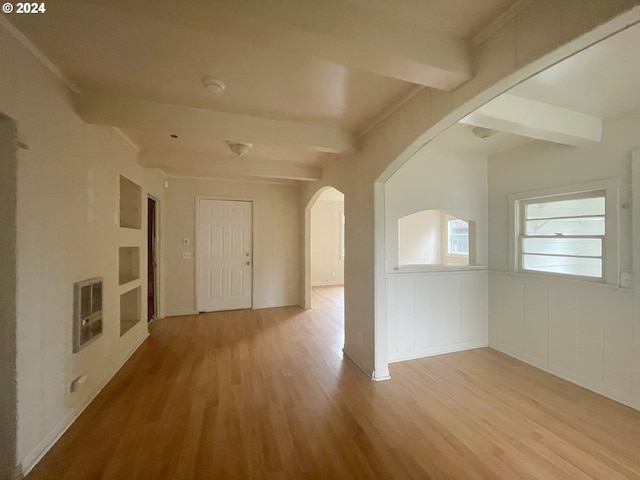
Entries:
{"x":267,"y":395}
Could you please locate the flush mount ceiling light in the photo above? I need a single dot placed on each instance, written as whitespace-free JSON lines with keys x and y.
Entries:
{"x":239,"y":148}
{"x":214,"y":85}
{"x":483,"y":133}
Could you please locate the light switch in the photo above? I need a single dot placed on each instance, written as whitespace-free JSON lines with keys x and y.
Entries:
{"x":185,"y":241}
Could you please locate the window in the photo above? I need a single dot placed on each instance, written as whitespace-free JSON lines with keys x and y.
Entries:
{"x":563,"y":234}
{"x":457,"y":237}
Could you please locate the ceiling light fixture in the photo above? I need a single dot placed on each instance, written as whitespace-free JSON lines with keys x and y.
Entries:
{"x":483,"y":133}
{"x":239,"y":148}
{"x":214,"y":85}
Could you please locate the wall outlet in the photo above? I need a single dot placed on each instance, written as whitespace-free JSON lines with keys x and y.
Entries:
{"x":626,"y":280}
{"x":77,"y":383}
{"x":186,"y":255}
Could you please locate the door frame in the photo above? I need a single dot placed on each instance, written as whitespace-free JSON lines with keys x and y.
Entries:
{"x":196,"y":242}
{"x":156,"y":270}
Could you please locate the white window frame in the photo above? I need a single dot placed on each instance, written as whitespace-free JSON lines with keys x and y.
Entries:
{"x":447,"y":237}
{"x":611,"y":249}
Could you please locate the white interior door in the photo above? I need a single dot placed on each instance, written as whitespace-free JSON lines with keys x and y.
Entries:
{"x":225,"y":255}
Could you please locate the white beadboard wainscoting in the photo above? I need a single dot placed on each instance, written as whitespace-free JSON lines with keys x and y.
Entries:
{"x":429,"y":313}
{"x":580,"y":331}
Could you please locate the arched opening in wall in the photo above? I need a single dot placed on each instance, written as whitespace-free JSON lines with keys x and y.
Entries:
{"x":435,"y":237}
{"x":325,"y":253}
{"x":544,"y":170}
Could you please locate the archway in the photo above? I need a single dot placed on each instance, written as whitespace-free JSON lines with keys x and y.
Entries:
{"x":330,"y":211}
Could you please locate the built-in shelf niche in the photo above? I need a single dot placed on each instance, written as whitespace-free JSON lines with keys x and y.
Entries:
{"x":129,"y":264}
{"x":129,"y":310}
{"x":130,"y":204}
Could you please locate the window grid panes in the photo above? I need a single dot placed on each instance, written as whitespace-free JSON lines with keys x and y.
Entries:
{"x":458,"y":236}
{"x":564,"y":235}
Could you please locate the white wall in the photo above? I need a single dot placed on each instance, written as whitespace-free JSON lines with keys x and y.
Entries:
{"x":579,"y":330}
{"x":538,"y":36}
{"x":327,"y":264}
{"x":438,"y":312}
{"x":438,"y":179}
{"x":67,"y":231}
{"x":429,"y":311}
{"x":420,"y":238}
{"x":8,"y":281}
{"x":276,"y":241}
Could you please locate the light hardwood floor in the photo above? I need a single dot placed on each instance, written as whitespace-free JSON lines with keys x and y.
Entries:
{"x":266,"y":394}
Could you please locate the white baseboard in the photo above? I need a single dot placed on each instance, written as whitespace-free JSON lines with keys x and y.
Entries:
{"x":180,"y":313}
{"x":356,"y":361}
{"x":428,"y":352}
{"x":32,"y":458}
{"x":599,"y":388}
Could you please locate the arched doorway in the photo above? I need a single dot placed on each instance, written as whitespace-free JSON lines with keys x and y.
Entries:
{"x":324,"y":241}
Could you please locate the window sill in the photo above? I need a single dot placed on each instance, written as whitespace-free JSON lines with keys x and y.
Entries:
{"x":436,"y":269}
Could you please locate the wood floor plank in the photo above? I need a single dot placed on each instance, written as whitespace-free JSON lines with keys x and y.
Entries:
{"x":267,"y":394}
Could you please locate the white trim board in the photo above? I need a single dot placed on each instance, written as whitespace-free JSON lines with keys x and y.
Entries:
{"x":432,"y":351}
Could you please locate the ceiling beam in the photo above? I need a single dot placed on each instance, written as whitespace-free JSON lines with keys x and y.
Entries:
{"x":530,"y":118}
{"x":229,"y":166}
{"x":336,"y":32}
{"x":126,"y":113}
{"x":422,"y":57}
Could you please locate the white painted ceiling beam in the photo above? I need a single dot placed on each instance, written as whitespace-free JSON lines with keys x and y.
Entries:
{"x":530,"y":118}
{"x":427,"y":58}
{"x":145,"y":115}
{"x":228,"y":166}
{"x":411,"y":53}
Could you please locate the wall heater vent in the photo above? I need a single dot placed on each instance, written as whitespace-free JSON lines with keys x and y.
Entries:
{"x":87,"y":312}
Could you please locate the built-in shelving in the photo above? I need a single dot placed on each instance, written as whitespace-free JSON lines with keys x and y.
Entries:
{"x":129,"y":310}
{"x":130,"y":204}
{"x":129,"y":256}
{"x":129,"y":264}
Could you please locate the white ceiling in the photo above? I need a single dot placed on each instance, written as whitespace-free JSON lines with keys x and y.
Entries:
{"x":460,"y":137}
{"x":601,"y":81}
{"x":304,"y":78}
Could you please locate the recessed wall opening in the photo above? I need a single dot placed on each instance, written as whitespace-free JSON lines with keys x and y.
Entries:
{"x":130,"y":204}
{"x":435,"y":237}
